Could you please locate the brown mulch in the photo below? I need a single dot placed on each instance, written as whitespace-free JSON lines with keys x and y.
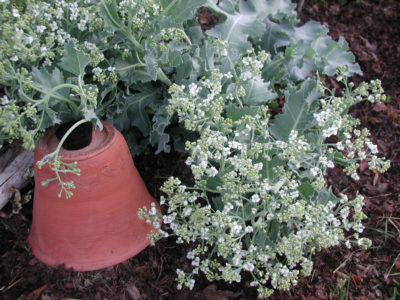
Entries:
{"x":372,"y":29}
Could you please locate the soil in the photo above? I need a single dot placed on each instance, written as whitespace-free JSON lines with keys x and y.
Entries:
{"x":372,"y":31}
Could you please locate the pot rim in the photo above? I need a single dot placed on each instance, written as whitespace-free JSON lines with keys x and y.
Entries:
{"x":101,"y":141}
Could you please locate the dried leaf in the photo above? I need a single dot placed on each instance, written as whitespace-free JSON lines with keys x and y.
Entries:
{"x":356,"y":280}
{"x":380,"y":107}
{"x":36,"y":293}
{"x":376,"y":177}
{"x":134,"y":292}
{"x":211,"y":293}
{"x":363,"y":165}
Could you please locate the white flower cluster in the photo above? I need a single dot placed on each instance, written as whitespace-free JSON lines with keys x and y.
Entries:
{"x":39,"y":32}
{"x":334,"y":120}
{"x":138,"y":13}
{"x":258,"y":202}
{"x":251,"y":65}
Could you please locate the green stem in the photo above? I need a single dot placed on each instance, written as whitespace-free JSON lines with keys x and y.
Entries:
{"x":131,"y":38}
{"x":185,"y":37}
{"x":67,"y":134}
{"x":236,"y":80}
{"x":161,"y":76}
{"x":115,"y":23}
{"x":130,"y":67}
{"x":51,"y":94}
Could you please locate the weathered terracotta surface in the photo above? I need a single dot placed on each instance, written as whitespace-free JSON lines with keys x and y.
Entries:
{"x":98,"y":226}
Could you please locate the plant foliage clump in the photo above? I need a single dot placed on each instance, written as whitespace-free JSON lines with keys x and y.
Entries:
{"x":259,"y":203}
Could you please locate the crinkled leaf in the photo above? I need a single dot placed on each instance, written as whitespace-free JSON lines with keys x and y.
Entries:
{"x":309,"y":48}
{"x":185,"y":69}
{"x":181,"y":10}
{"x":236,"y":113}
{"x":276,"y":71}
{"x":109,"y":11}
{"x":180,"y":136}
{"x":214,"y":182}
{"x":269,"y":166}
{"x":50,"y":118}
{"x":218,"y":204}
{"x":306,"y":191}
{"x":133,"y":110}
{"x":296,"y":115}
{"x":136,"y":109}
{"x":258,"y":92}
{"x":41,"y":78}
{"x":325,"y":196}
{"x":74,"y":61}
{"x":158,"y":136}
{"x":275,"y":36}
{"x":130,"y":72}
{"x":271,"y":8}
{"x":260,"y":239}
{"x":334,"y":54}
{"x":91,"y":116}
{"x":135,"y":141}
{"x":151,"y":66}
{"x":237,"y":27}
{"x":273,"y":230}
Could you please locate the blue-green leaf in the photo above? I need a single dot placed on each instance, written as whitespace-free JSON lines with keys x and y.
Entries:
{"x":236,"y":113}
{"x":158,"y":136}
{"x":74,"y":61}
{"x":309,"y":48}
{"x":46,"y":81}
{"x":334,"y":54}
{"x":325,"y":196}
{"x":258,"y":92}
{"x":109,"y":12}
{"x":276,"y":71}
{"x":136,"y":109}
{"x":151,"y":66}
{"x":271,"y":8}
{"x":296,"y":115}
{"x":237,"y":27}
{"x":181,"y":10}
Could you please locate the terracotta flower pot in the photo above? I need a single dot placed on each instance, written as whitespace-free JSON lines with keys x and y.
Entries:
{"x":98,"y":226}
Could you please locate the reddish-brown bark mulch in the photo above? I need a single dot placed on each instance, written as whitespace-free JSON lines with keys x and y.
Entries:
{"x":372,"y":29}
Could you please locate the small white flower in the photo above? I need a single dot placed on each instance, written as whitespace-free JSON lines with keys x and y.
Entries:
{"x":249,"y":229}
{"x":255,"y":198}
{"x":29,"y":40}
{"x":40,"y":28}
{"x":53,"y":26}
{"x":248,"y":266}
{"x":4,"y":100}
{"x":43,"y":50}
{"x":15,"y":13}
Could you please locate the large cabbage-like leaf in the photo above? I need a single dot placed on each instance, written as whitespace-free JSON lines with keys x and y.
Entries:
{"x":258,"y":92}
{"x":74,"y":61}
{"x":275,"y":9}
{"x":131,"y":110}
{"x":158,"y":136}
{"x":237,"y":26}
{"x":296,"y":115}
{"x":181,"y":10}
{"x":308,"y":48}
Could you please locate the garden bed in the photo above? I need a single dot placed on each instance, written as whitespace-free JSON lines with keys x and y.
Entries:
{"x":372,"y":31}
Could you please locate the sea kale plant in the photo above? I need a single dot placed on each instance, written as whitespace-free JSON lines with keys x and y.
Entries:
{"x":259,"y":204}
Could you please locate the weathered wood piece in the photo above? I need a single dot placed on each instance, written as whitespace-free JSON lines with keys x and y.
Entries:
{"x":14,"y":165}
